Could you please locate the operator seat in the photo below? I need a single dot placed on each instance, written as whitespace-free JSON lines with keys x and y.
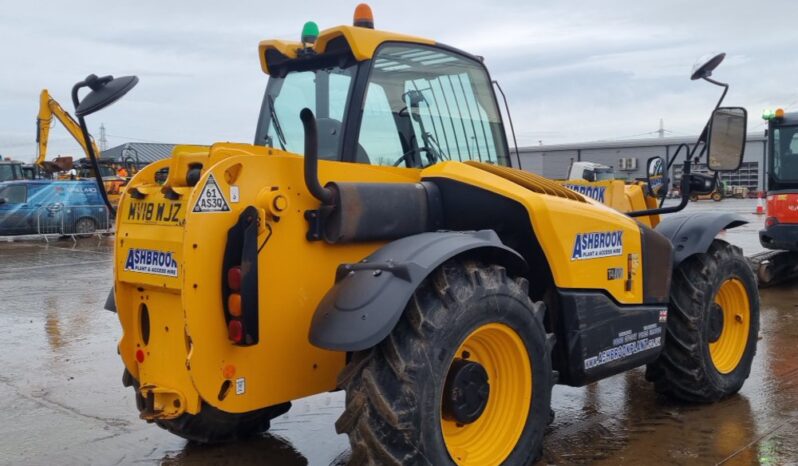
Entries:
{"x":329,"y":130}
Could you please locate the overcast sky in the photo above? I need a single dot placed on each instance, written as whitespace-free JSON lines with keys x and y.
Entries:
{"x":573,"y":71}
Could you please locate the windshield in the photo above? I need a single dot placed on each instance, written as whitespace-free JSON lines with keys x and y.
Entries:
{"x":326,"y":92}
{"x":9,"y":171}
{"x":784,"y":156}
{"x":603,"y":174}
{"x":427,"y":104}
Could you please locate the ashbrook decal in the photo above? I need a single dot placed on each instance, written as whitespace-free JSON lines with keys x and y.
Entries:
{"x":627,"y":344}
{"x":598,"y":244}
{"x":593,"y":192}
{"x":151,"y":261}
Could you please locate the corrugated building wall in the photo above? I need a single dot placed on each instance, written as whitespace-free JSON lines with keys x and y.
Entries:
{"x":629,"y":158}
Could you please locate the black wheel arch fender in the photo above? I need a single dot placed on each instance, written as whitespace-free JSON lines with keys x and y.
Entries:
{"x":369,"y":297}
{"x":693,"y":233}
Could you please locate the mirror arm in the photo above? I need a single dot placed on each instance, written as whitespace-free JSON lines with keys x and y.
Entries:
{"x":718,"y":83}
{"x":684,"y":189}
{"x":676,"y":155}
{"x":90,"y":149}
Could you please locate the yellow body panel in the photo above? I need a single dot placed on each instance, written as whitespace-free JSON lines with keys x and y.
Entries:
{"x":295,"y":274}
{"x":557,"y":222}
{"x":194,"y":357}
{"x":363,"y":42}
{"x":619,"y":195}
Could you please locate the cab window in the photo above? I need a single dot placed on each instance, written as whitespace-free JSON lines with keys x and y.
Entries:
{"x":425,"y":105}
{"x":785,"y":153}
{"x":325,"y":91}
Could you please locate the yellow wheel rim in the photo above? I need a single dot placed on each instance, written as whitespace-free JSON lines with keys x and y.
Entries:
{"x":491,"y":438}
{"x":728,"y":349}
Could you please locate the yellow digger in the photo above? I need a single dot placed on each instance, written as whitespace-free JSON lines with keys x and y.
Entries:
{"x":49,"y":108}
{"x":375,"y":238}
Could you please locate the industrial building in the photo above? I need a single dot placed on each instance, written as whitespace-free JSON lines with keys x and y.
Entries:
{"x":629,"y":158}
{"x":138,"y":153}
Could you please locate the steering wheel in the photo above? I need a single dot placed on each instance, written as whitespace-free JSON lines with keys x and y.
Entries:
{"x":406,"y":154}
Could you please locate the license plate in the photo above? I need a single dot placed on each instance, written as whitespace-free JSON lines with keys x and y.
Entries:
{"x":158,"y":212}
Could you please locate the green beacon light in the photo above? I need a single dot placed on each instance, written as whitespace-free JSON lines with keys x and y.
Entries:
{"x":310,"y":32}
{"x":768,"y":114}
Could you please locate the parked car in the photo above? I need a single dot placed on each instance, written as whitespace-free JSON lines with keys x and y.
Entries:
{"x":51,"y":207}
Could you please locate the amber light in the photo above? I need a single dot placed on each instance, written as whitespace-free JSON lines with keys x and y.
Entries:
{"x":363,"y":16}
{"x":779,"y":113}
{"x":234,"y":304}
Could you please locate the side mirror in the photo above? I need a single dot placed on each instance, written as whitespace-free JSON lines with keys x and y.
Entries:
{"x":706,"y":65}
{"x":104,"y":91}
{"x":726,"y":138}
{"x":657,"y":177}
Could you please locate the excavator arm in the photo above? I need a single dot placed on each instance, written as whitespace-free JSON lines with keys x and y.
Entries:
{"x":49,"y":108}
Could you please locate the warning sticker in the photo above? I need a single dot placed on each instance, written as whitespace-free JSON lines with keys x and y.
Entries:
{"x":211,"y":198}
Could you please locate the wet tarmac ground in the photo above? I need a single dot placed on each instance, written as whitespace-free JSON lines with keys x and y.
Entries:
{"x":62,"y":399}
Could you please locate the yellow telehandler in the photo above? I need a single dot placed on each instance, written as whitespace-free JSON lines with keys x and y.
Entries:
{"x":375,"y":238}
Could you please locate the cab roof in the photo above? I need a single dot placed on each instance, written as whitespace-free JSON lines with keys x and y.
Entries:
{"x":362,"y":43}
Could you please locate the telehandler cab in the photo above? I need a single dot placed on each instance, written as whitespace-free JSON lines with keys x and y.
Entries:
{"x":376,"y":239}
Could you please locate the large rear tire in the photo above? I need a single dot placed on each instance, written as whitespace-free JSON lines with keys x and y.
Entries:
{"x":713,"y":327}
{"x":465,"y":377}
{"x":212,"y":425}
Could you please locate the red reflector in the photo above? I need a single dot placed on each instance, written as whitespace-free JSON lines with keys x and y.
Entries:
{"x":235,"y":331}
{"x":140,"y":356}
{"x":234,"y":278}
{"x":771,"y":221}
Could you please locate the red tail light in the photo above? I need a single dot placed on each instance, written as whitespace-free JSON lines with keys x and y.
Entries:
{"x":234,"y":278}
{"x":235,"y":331}
{"x":771,"y":222}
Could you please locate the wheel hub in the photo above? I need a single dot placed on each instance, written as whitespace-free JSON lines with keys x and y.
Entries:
{"x":715,"y":322}
{"x":466,"y":392}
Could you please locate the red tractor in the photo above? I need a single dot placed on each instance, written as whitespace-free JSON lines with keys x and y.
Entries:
{"x":781,"y":183}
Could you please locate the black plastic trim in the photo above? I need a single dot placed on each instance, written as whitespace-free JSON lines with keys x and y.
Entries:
{"x":781,"y":236}
{"x":600,"y":337}
{"x":110,"y":301}
{"x":242,"y":250}
{"x":657,"y":258}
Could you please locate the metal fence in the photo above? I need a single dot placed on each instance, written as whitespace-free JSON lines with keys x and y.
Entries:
{"x":72,"y":220}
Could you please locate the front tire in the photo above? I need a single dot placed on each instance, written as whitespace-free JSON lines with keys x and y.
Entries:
{"x":417,"y":397}
{"x":713,"y":327}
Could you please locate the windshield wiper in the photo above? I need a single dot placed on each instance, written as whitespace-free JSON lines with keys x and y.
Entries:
{"x":276,"y":122}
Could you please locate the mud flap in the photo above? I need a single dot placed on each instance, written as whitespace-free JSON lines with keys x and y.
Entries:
{"x":110,"y":302}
